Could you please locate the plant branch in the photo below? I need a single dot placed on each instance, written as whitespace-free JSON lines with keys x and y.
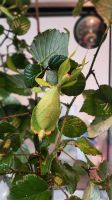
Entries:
{"x":94,"y":75}
{"x":15,"y":115}
{"x":97,"y":51}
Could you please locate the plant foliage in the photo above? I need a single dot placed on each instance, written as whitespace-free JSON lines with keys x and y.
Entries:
{"x":45,"y":70}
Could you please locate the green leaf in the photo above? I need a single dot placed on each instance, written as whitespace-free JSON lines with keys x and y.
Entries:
{"x":14,"y":84}
{"x":64,"y":69}
{"x":47,"y":112}
{"x":47,"y":44}
{"x":103,"y":170}
{"x":55,"y":61}
{"x":98,"y":128}
{"x":109,"y":187}
{"x":104,"y":8}
{"x":73,"y":126}
{"x":104,"y":93}
{"x":23,"y":153}
{"x":37,"y":90}
{"x":46,"y":165}
{"x":74,"y":198}
{"x":5,"y":11}
{"x":30,"y":187}
{"x":52,"y":77}
{"x":1,"y":29}
{"x":20,"y":25}
{"x":16,"y":61}
{"x":98,"y":103}
{"x":92,"y":192}
{"x":42,"y":82}
{"x":86,"y":147}
{"x":30,"y":73}
{"x":6,"y":127}
{"x":5,"y":164}
{"x":76,"y":87}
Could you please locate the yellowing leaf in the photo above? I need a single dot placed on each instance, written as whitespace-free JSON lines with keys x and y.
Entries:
{"x":86,"y":147}
{"x":46,"y":113}
{"x":42,"y":82}
{"x":104,"y":8}
{"x":100,"y":127}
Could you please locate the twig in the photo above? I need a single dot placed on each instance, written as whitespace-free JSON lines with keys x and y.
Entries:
{"x":13,"y":116}
{"x":68,"y":155}
{"x":94,"y":75}
{"x":97,"y":51}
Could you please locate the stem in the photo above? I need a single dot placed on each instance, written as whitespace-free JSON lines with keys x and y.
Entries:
{"x":68,"y":155}
{"x":94,"y":75}
{"x":13,"y":116}
{"x":97,"y":51}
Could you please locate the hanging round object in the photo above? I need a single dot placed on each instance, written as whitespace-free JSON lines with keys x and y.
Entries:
{"x":88,"y":30}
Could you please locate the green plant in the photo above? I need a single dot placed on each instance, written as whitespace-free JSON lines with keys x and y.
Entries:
{"x":36,"y":175}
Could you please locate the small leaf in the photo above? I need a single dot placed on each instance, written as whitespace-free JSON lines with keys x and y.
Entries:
{"x":30,"y":187}
{"x":74,"y":198}
{"x":47,"y":44}
{"x":64,"y":69}
{"x":86,"y":147}
{"x":30,"y":73}
{"x":46,"y":113}
{"x":73,"y":126}
{"x":5,"y":11}
{"x":76,"y":87}
{"x":92,"y":192}
{"x":55,"y":61}
{"x":41,"y":82}
{"x":16,"y":61}
{"x":37,"y":90}
{"x":20,"y":25}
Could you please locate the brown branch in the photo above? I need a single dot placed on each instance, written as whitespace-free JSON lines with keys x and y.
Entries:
{"x":15,"y":115}
{"x":97,"y":51}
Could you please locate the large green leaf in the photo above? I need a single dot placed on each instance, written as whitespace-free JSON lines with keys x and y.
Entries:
{"x":47,"y":44}
{"x":47,"y":111}
{"x":86,"y":147}
{"x":30,"y":73}
{"x":91,"y":193}
{"x":73,"y":126}
{"x":98,"y":103}
{"x":30,"y":188}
